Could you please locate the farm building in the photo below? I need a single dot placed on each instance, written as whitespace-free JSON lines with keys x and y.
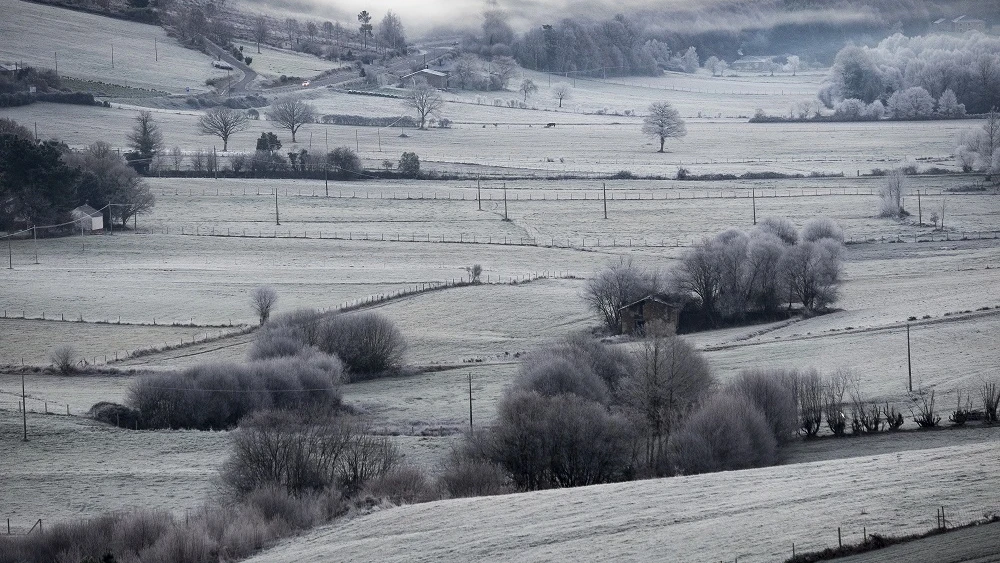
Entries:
{"x":87,"y":218}
{"x":961,"y":24}
{"x":752,"y":64}
{"x":656,"y":314}
{"x":435,"y":78}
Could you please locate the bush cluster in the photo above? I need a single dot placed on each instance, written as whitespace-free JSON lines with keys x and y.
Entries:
{"x":736,"y":275}
{"x":213,"y":534}
{"x":581,"y":413}
{"x":368,"y":344}
{"x":312,"y":450}
{"x":367,"y":121}
{"x":217,"y":396}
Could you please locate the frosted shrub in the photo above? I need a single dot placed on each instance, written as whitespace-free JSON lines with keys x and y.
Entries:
{"x":561,"y":441}
{"x":821,"y":228}
{"x":369,"y":344}
{"x":779,"y":227}
{"x":551,"y":374}
{"x":874,"y":111}
{"x":468,"y":475}
{"x":772,"y":392}
{"x":890,"y":194}
{"x":64,"y":359}
{"x":850,"y":109}
{"x":728,"y":432}
{"x":912,"y":103}
{"x":217,"y":396}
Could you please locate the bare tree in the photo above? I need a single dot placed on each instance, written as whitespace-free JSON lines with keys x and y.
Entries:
{"x":890,"y":195}
{"x":64,"y":359}
{"x":291,"y":114}
{"x":223,"y":122}
{"x":562,"y":92}
{"x":700,"y":273}
{"x":502,"y":70}
{"x":177,"y":157}
{"x":292,"y":29}
{"x":467,"y":68}
{"x":390,"y":31}
{"x":527,"y":88}
{"x":812,"y":273}
{"x":328,"y":30}
{"x":262,"y":300}
{"x":663,"y":122}
{"x":616,"y":286}
{"x":671,"y":376}
{"x":311,"y":28}
{"x":260,"y":30}
{"x":425,"y":99}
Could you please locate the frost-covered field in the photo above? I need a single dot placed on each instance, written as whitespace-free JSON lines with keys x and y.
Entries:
{"x":76,"y":468}
{"x":751,"y":515}
{"x":601,"y":145}
{"x":32,"y":341}
{"x":39,"y":35}
{"x":272,"y":62}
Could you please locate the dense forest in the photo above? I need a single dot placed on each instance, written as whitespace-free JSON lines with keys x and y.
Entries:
{"x":645,"y":41}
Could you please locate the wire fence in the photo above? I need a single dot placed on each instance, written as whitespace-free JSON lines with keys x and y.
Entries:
{"x":548,"y":242}
{"x":514,"y":193}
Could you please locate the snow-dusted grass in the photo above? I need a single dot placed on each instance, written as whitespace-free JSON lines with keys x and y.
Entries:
{"x":272,"y":62}
{"x":31,"y":341}
{"x":75,"y":468}
{"x":691,"y":94}
{"x":37,"y":35}
{"x":597,"y":146}
{"x":755,"y":515}
{"x":207,"y":280}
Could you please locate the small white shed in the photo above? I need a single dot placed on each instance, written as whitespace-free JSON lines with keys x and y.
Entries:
{"x":88,"y":219}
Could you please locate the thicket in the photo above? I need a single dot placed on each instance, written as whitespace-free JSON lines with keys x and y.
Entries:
{"x":218,"y":396}
{"x":907,"y":74}
{"x":369,"y":344}
{"x":367,"y":121}
{"x":738,"y":276}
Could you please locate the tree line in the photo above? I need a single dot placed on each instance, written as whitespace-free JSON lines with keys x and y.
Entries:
{"x":910,"y":74}
{"x":42,"y":181}
{"x":733,"y":277}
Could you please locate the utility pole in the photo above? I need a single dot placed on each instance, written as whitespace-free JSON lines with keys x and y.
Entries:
{"x":34,"y":237}
{"x":24,"y":409}
{"x":276,"y":221}
{"x":920,"y":213}
{"x":470,"y":402}
{"x":56,"y":56}
{"x":379,"y":133}
{"x":326,"y":178}
{"x":753,"y":199}
{"x":36,"y":131}
{"x":215,"y":157}
{"x":605,"y":188}
{"x":909,"y":364}
{"x":112,"y":55}
{"x":156,"y":51}
{"x":10,"y":255}
{"x":479,"y":194}
{"x":357,"y":143}
{"x":505,"y":202}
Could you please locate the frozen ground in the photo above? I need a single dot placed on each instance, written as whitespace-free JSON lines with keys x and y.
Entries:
{"x":72,"y":467}
{"x":751,"y":515}
{"x":599,"y":145}
{"x":39,"y":35}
